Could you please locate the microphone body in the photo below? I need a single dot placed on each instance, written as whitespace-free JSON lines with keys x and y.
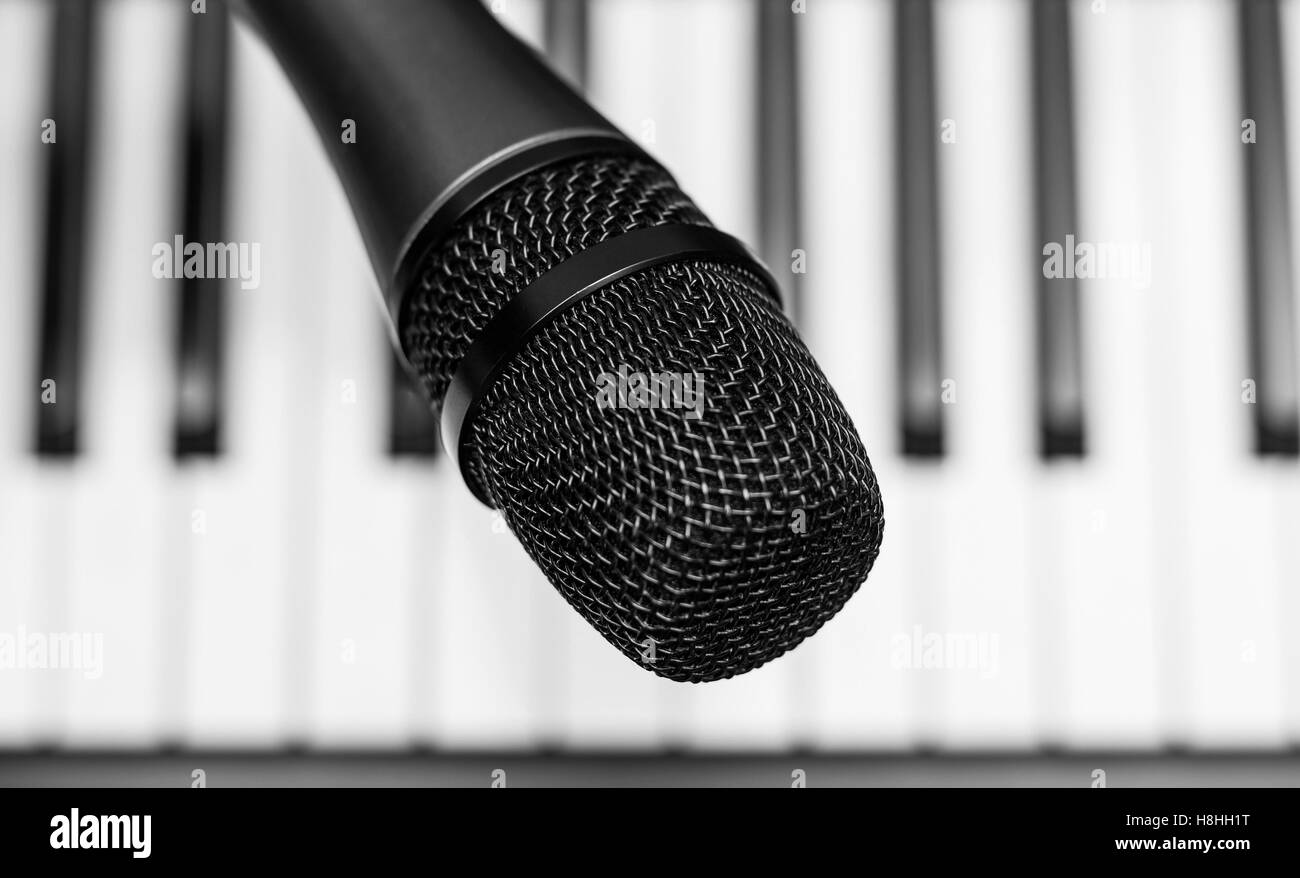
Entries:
{"x":612,"y":373}
{"x":447,"y":105}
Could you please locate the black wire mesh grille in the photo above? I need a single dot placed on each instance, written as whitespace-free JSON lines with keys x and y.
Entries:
{"x":703,"y":546}
{"x":519,"y":234}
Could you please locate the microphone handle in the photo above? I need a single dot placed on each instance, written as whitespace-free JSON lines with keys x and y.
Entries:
{"x":447,"y":105}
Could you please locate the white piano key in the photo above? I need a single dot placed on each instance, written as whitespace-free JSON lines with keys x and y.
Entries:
{"x":250,"y":512}
{"x":677,"y":77}
{"x":846,"y":50}
{"x":983,"y":619}
{"x":1220,"y":646}
{"x":1188,"y":669}
{"x":424,"y":544}
{"x":919,"y":507}
{"x":54,"y":497}
{"x":24,"y":63}
{"x":362,"y":648}
{"x":1283,"y":477}
{"x":499,"y":633}
{"x":1094,"y":540}
{"x":117,"y":525}
{"x":492,"y":654}
{"x":1234,"y":651}
{"x":921,"y":518}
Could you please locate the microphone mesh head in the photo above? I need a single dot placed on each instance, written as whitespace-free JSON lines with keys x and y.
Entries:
{"x":703,"y":530}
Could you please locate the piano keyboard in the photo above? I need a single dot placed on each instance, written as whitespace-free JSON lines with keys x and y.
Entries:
{"x":1092,"y":483}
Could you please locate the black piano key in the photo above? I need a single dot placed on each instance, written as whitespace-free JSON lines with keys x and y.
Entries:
{"x":199,"y":384}
{"x":1059,"y":330}
{"x":780,"y":221}
{"x":566,"y":39}
{"x":412,"y":428}
{"x":919,"y":315}
{"x":62,"y":299}
{"x":1270,"y":296}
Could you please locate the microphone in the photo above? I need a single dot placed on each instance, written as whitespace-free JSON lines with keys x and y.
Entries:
{"x":610,"y":371}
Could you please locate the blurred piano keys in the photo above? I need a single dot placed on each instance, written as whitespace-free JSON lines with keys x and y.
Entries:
{"x":323,"y":580}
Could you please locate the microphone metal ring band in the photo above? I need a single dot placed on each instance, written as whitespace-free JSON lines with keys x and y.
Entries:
{"x":556,"y":290}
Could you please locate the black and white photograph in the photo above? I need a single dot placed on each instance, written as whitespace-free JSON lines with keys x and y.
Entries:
{"x":650,"y":393}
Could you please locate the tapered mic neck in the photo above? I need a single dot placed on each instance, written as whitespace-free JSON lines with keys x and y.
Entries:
{"x":424,"y":109}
